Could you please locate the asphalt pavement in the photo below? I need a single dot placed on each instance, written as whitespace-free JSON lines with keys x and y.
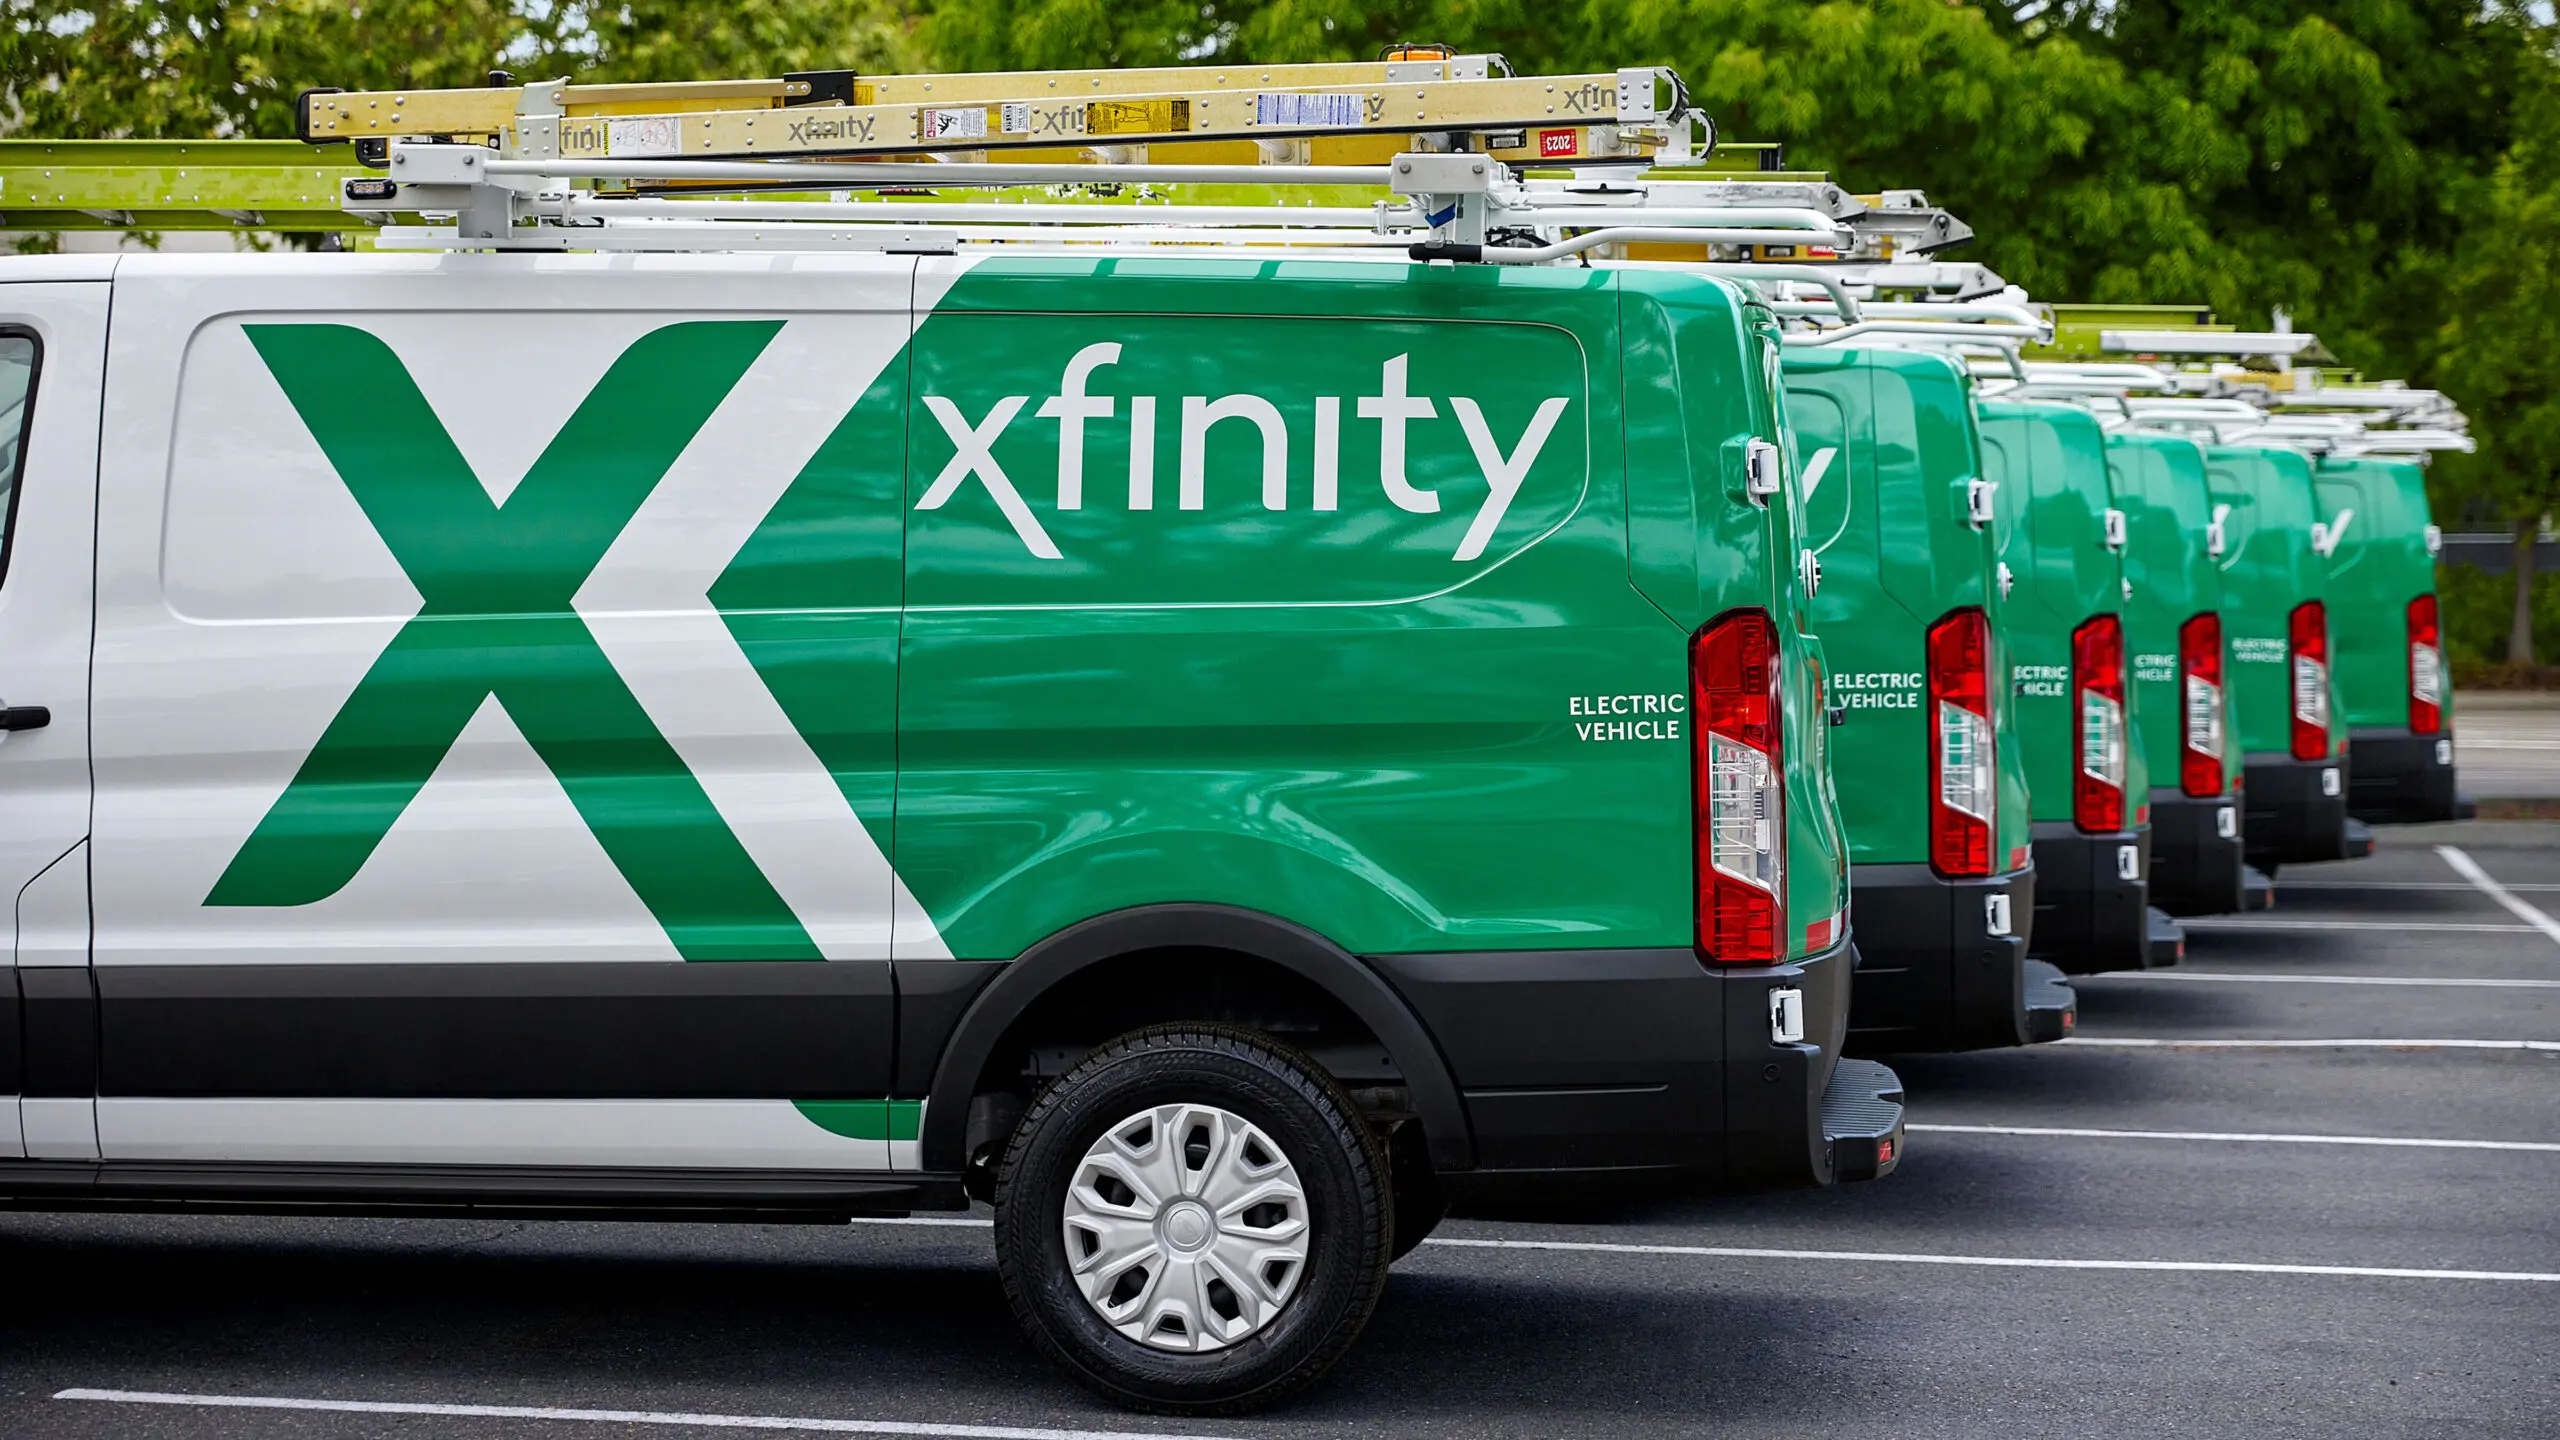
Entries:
{"x":2197,"y":1218}
{"x":2507,"y":743}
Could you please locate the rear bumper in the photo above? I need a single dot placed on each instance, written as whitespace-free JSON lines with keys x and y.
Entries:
{"x":2293,"y":810}
{"x":1937,"y":968}
{"x":1605,"y":1067}
{"x":2093,"y":895}
{"x":2196,"y":863}
{"x":2400,"y":778}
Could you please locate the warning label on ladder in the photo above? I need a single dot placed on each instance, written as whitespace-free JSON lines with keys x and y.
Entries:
{"x":1330,"y":110}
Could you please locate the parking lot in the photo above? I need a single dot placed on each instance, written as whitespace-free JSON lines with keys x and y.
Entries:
{"x":2303,"y":1184}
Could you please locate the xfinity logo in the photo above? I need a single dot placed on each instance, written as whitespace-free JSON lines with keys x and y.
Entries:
{"x":1392,"y":409}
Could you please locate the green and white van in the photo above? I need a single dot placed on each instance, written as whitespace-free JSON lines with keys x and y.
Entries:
{"x":2394,"y":693}
{"x":2173,"y":636}
{"x":1931,"y":783}
{"x":2061,"y":538}
{"x":2277,"y":633}
{"x":1214,"y":756}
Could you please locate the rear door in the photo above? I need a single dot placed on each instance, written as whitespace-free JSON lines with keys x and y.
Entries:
{"x":52,"y":349}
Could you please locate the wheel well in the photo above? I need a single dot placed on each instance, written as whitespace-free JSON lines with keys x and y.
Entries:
{"x":1165,"y":964}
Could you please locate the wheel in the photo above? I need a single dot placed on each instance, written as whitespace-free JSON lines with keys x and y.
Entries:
{"x":1193,"y":1220}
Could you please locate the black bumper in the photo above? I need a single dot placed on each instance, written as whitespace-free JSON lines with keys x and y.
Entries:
{"x":2093,"y":897}
{"x":2196,"y":862}
{"x":1611,"y":1066}
{"x":2399,"y":778}
{"x":2293,"y":810}
{"x":1933,"y":973}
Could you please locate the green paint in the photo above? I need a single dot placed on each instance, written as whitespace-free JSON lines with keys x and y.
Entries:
{"x":865,"y":1119}
{"x":2379,"y":565}
{"x":496,"y":620}
{"x":2159,"y":481}
{"x":2268,"y":568}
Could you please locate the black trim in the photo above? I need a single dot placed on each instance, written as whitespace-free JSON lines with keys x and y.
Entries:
{"x":1931,"y":975}
{"x":26,"y":433}
{"x":932,"y":996}
{"x":2394,"y":778}
{"x":59,"y":1015}
{"x":2089,"y":918}
{"x":12,"y":1066}
{"x":1020,"y":983}
{"x":1583,"y":1067}
{"x":803,"y":1030}
{"x":2195,"y":868}
{"x":2289,"y":814}
{"x":422,"y":1189}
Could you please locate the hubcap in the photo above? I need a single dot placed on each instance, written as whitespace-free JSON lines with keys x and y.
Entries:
{"x":1186,"y":1227}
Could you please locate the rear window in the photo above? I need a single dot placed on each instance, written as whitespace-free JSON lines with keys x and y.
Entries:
{"x":18,"y":355}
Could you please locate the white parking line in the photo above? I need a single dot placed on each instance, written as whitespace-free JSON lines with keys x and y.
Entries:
{"x":2404,"y":927}
{"x":614,"y":1417}
{"x":2536,"y":888}
{"x":2469,"y":869}
{"x":2411,"y":1142}
{"x":2476,"y":983}
{"x":1998,"y":1262}
{"x":2144,"y":1043}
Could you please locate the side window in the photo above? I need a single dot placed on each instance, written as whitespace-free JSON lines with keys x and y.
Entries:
{"x":18,"y":355}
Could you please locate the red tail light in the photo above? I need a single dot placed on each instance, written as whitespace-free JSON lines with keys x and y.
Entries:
{"x":2310,"y":635}
{"x":2426,"y":669}
{"x":2097,"y":679}
{"x":1739,"y":791}
{"x":2200,"y":676}
{"x":1961,"y":774}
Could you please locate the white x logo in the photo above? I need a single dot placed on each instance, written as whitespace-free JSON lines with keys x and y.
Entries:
{"x":974,"y":454}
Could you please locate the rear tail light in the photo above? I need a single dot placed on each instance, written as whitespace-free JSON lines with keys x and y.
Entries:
{"x":2200,"y":671}
{"x":2310,"y":636}
{"x":2426,"y":669}
{"x":1961,"y":773}
{"x":1739,"y":792}
{"x":2097,"y":678}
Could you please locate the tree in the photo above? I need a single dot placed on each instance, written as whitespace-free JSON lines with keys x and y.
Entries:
{"x":2497,"y":350}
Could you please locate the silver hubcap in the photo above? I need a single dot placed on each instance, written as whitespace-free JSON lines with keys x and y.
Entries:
{"x":1186,"y":1227}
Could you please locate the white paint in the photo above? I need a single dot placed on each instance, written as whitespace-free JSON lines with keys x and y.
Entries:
{"x":2435,"y":885}
{"x":2133,"y":1043}
{"x":2225,"y":977}
{"x":610,"y":1417}
{"x":631,"y":1134}
{"x":1998,"y":1262}
{"x":2400,"y":927}
{"x":1503,"y":474}
{"x":2246,"y":1137}
{"x":2469,"y":869}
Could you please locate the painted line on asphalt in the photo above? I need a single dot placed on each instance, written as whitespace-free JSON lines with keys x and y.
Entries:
{"x":2410,"y":1142}
{"x":2469,"y":869}
{"x":1996,"y":1262}
{"x":2536,"y":888}
{"x":2130,"y":1042}
{"x":613,"y":1417}
{"x":2404,"y":927}
{"x":2229,"y":977}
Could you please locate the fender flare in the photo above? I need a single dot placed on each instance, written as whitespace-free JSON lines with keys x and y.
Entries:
{"x":1302,"y":952}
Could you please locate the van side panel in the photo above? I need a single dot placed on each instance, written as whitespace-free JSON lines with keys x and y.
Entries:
{"x":1183,"y":625}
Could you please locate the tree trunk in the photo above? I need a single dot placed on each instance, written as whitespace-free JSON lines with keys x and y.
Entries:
{"x":2520,"y":630}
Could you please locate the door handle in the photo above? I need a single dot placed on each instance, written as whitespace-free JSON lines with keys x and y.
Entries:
{"x":24,"y":717}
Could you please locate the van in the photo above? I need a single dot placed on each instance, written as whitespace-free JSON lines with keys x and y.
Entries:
{"x":1932,"y":789}
{"x":2276,"y":627}
{"x":2061,"y":537}
{"x":2173,"y":637}
{"x":2394,"y":691}
{"x":1215,"y":757}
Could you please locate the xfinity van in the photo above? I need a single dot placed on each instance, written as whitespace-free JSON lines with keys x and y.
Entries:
{"x":1212,"y":756}
{"x":2394,"y":692}
{"x":1924,"y":753}
{"x":2276,"y":627}
{"x":2182,"y":712}
{"x":2061,"y":538}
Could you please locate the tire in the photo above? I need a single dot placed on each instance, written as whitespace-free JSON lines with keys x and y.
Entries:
{"x":1287,"y":1131}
